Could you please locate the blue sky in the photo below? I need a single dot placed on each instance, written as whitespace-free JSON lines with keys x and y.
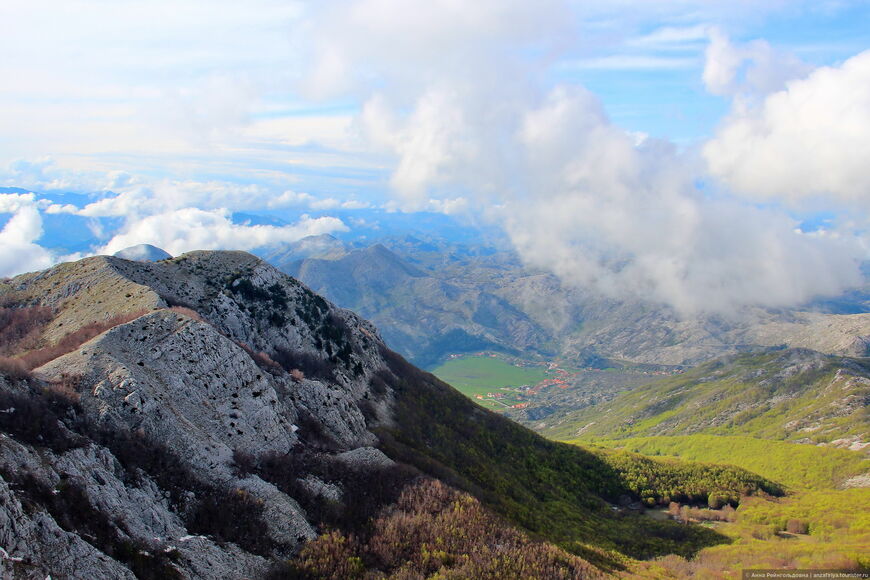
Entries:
{"x":581,"y":130}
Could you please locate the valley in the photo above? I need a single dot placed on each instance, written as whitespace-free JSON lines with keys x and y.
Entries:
{"x":530,"y":390}
{"x":433,"y":297}
{"x":797,"y":418}
{"x":435,"y":290}
{"x":250,"y":417}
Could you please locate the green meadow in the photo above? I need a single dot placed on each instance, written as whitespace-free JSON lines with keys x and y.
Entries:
{"x":797,"y":466}
{"x":479,"y":375}
{"x":816,"y":525}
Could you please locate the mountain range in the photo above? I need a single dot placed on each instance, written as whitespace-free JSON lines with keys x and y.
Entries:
{"x":207,"y":416}
{"x":431,"y":298}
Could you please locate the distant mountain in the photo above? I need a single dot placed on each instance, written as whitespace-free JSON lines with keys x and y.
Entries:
{"x":421,"y":315}
{"x":323,"y":246}
{"x":207,"y":416}
{"x":794,"y":394}
{"x":432,"y":298}
{"x":143,"y":253}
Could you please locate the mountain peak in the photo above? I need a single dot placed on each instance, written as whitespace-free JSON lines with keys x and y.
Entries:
{"x":143,"y":253}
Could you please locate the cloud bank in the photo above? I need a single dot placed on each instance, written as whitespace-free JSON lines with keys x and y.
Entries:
{"x":576,"y":193}
{"x":19,"y":237}
{"x":178,"y":216}
{"x":189,"y":229}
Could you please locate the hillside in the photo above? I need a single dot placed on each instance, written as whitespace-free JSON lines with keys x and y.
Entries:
{"x":422,"y":315}
{"x":207,"y":417}
{"x":794,"y":395}
{"x":796,"y":417}
{"x":431,"y":298}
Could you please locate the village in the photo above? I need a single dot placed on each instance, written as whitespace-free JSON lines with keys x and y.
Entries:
{"x":553,"y":376}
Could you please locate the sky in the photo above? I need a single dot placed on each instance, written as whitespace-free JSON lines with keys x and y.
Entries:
{"x":706,"y":155}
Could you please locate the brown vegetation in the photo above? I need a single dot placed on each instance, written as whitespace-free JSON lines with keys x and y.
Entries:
{"x":21,"y":327}
{"x":688,"y":514}
{"x":14,"y":368}
{"x":261,"y":358}
{"x":189,"y":312}
{"x":73,"y":340}
{"x":434,"y":529}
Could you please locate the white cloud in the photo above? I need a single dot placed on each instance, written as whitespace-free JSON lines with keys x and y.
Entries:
{"x":627,"y":220}
{"x":188,"y":229}
{"x":577,"y":194}
{"x":633,"y":62}
{"x":672,"y":37}
{"x":301,"y":199}
{"x":810,"y":139}
{"x":20,"y":252}
{"x":148,"y":198}
{"x":751,"y":69}
{"x":13,"y":202}
{"x":289,"y":199}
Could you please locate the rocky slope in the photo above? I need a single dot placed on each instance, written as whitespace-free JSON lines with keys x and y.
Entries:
{"x":190,"y":383}
{"x":205,"y":416}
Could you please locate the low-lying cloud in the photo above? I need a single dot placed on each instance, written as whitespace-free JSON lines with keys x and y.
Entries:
{"x":19,"y":237}
{"x":189,"y":229}
{"x":178,"y":216}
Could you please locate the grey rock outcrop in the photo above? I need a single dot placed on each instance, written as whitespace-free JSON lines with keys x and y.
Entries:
{"x":225,"y":358}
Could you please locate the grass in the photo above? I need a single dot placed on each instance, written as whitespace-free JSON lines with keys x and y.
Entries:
{"x":783,"y":395}
{"x":836,"y":521}
{"x":552,"y":490}
{"x":797,"y":466}
{"x":479,"y":375}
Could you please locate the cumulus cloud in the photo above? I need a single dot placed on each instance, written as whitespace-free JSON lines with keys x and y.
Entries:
{"x":628,"y":220}
{"x":188,"y":229}
{"x":13,"y":202}
{"x":178,"y":216}
{"x":301,"y":199}
{"x":19,"y":237}
{"x":753,"y":68}
{"x":577,"y":194}
{"x":808,"y":140}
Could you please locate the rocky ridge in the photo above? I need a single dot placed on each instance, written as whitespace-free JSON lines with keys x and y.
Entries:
{"x":207,"y":416}
{"x":469,"y":300}
{"x":188,"y":379}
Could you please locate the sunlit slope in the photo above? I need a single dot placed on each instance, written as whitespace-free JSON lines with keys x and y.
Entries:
{"x":795,"y":395}
{"x":795,"y":466}
{"x":551,"y":489}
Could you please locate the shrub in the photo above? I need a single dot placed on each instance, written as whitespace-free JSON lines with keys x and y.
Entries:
{"x":33,"y":417}
{"x":311,"y":365}
{"x":262,"y":360}
{"x":430,"y":529}
{"x":796,"y":526}
{"x":189,"y":312}
{"x":66,"y":389}
{"x":14,"y":368}
{"x":21,"y":327}
{"x":365,"y":491}
{"x":75,"y":339}
{"x":232,"y":516}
